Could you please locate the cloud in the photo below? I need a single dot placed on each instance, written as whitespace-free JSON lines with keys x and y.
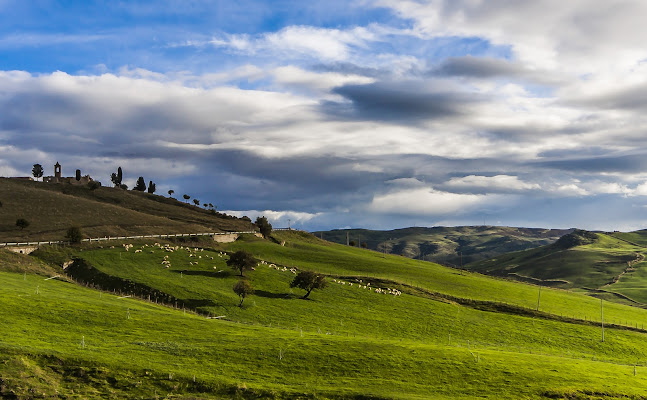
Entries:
{"x":402,"y":100}
{"x":426,"y":201}
{"x":492,"y":68}
{"x":300,"y":41}
{"x":19,"y":40}
{"x":278,"y":219}
{"x":492,"y":184}
{"x":570,"y":189}
{"x":318,"y":82}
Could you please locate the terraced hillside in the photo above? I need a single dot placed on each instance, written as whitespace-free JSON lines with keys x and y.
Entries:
{"x":52,"y":208}
{"x":453,"y":246}
{"x":430,"y":333}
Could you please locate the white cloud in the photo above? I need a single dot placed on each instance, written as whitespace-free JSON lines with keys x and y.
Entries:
{"x":278,"y":219}
{"x":570,"y":189}
{"x":492,"y":183}
{"x":301,"y":41}
{"x":428,"y":201}
{"x":292,"y":76}
{"x":601,"y":187}
{"x":641,"y":190}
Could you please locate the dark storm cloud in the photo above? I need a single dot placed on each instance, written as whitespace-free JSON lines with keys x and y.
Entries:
{"x":625,"y":164}
{"x":315,"y":184}
{"x":399,"y":101}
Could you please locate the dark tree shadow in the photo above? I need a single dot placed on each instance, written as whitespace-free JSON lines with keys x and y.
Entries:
{"x":195,"y":303}
{"x":270,"y":295}
{"x":210,"y":274}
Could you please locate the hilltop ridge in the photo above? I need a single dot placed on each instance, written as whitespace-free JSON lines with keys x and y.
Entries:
{"x":52,"y":208}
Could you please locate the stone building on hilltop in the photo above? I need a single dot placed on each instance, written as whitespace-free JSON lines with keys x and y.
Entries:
{"x":72,"y":180}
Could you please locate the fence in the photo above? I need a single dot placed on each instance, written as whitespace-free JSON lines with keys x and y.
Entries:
{"x":126,"y":237}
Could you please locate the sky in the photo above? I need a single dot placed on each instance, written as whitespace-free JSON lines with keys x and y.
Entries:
{"x":327,"y":114}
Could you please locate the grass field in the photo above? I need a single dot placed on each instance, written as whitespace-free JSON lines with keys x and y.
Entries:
{"x":349,"y":310}
{"x":70,"y":341}
{"x":52,"y":208}
{"x":346,"y":342}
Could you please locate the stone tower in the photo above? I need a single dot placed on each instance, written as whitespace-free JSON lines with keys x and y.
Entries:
{"x":57,"y":171}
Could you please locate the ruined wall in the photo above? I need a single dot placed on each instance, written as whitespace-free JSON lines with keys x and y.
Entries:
{"x":230,"y":237}
{"x":22,"y":249}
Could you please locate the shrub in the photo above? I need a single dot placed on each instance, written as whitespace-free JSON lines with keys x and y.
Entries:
{"x":93,"y":185}
{"x":22,"y":223}
{"x":264,"y":226}
{"x":308,"y":281}
{"x":74,"y":235}
{"x":241,"y":261}
{"x":243,"y":289}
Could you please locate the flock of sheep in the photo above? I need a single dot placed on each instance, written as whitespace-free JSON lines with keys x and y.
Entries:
{"x":360,"y":285}
{"x":194,"y":253}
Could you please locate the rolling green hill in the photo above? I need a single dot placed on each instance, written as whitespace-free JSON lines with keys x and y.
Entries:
{"x":117,"y":323}
{"x":606,"y":264}
{"x":52,"y":208}
{"x":449,"y":334}
{"x":453,"y":246}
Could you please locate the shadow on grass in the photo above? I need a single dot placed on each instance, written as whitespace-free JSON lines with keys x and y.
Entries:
{"x":270,"y":295}
{"x":210,"y":274}
{"x":195,"y":303}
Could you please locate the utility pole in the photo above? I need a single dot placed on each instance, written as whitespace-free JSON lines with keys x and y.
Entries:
{"x":359,"y":240}
{"x":289,"y":224}
{"x":538,"y":298}
{"x":347,"y":239}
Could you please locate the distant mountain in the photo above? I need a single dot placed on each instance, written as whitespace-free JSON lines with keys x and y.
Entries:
{"x":453,"y":246}
{"x":606,"y":262}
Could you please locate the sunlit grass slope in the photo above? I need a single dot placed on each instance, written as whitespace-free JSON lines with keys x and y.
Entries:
{"x":352,"y":309}
{"x":52,"y":208}
{"x":305,"y":251}
{"x":89,"y":344}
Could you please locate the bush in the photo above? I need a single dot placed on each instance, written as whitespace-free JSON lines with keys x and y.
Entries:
{"x":243,"y":289}
{"x":93,"y":185}
{"x":308,"y":281}
{"x":241,"y":261}
{"x":264,"y":226}
{"x":22,"y":223}
{"x":74,"y":235}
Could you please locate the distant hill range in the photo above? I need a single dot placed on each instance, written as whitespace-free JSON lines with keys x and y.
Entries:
{"x":51,"y":208}
{"x":605,"y":264}
{"x":453,"y":246}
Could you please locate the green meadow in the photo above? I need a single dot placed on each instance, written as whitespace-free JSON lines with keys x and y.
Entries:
{"x":449,"y":334}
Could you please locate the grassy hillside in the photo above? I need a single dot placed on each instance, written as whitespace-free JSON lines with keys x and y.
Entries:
{"x":52,"y":208}
{"x":453,"y":246}
{"x":449,"y":335}
{"x":85,"y":346}
{"x":607,"y":263}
